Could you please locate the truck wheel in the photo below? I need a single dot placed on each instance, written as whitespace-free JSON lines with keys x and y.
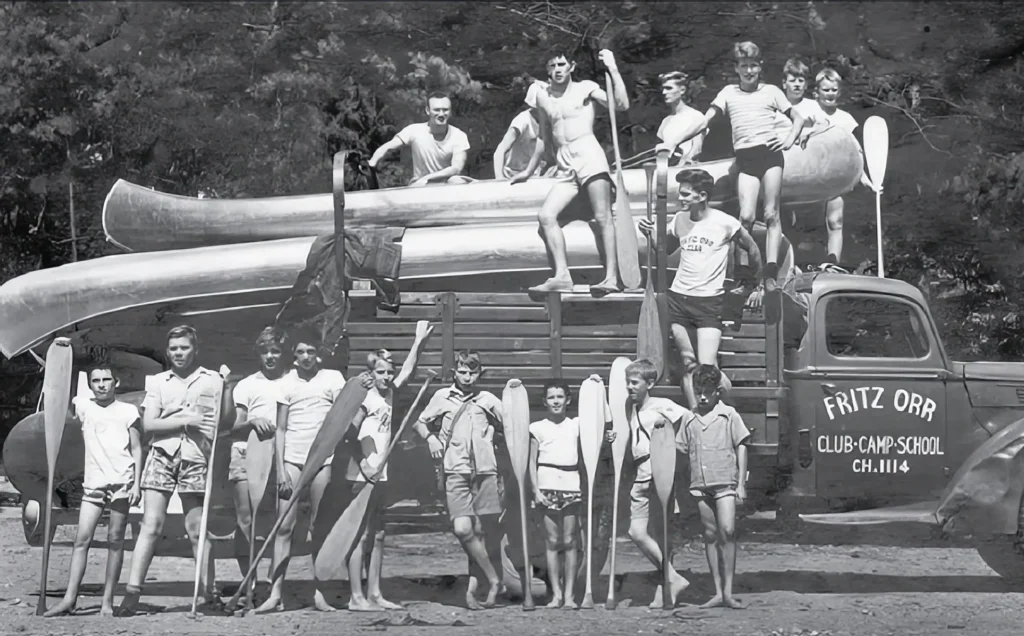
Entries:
{"x":32,"y":524}
{"x":1005,"y":553}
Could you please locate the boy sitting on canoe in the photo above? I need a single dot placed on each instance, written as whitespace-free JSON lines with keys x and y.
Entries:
{"x":372,"y":429}
{"x":673,"y":89}
{"x":567,"y":113}
{"x":515,"y":150}
{"x":113,"y":476}
{"x":465,"y":444}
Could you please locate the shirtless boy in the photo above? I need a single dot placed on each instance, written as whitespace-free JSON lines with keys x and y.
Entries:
{"x":469,"y":420}
{"x":648,"y":412}
{"x":255,"y":399}
{"x":305,"y":395}
{"x":752,"y":108}
{"x":714,"y":438}
{"x":515,"y":150}
{"x":179,"y":412}
{"x":438,"y":148}
{"x":696,"y":298}
{"x":567,"y":115}
{"x":673,"y":89}
{"x":372,"y":426}
{"x":113,"y":476}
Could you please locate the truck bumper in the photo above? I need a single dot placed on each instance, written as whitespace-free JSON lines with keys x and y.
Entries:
{"x":922,"y":512}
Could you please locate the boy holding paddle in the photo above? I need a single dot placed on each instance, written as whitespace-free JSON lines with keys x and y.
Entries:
{"x":465,"y":443}
{"x":714,"y":438}
{"x":113,"y":475}
{"x":647,"y":413}
{"x":696,"y":298}
{"x":180,"y":413}
{"x":372,"y":427}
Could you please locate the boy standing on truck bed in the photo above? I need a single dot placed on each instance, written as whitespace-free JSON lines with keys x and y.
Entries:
{"x":180,"y":412}
{"x":567,"y":113}
{"x":696,"y":299}
{"x":469,"y":420}
{"x":713,"y":436}
{"x":113,"y":474}
{"x":648,"y":412}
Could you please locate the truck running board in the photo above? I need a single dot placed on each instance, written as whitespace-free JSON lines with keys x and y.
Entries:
{"x":922,"y":512}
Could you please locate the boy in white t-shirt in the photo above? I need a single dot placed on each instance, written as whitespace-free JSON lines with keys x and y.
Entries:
{"x":113,"y":474}
{"x":372,"y":428}
{"x":439,"y":150}
{"x":674,"y":126}
{"x":696,"y":298}
{"x":554,"y":473}
{"x":513,"y":153}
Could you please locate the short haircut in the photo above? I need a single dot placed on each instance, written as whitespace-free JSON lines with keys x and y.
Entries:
{"x":706,"y":377}
{"x":374,"y":357}
{"x":438,"y":95}
{"x":468,"y":358}
{"x":556,"y":52}
{"x":305,"y":335}
{"x":796,"y":67}
{"x":677,"y":77}
{"x":184,"y":331}
{"x":829,"y":74}
{"x":699,"y":180}
{"x":643,"y":368}
{"x":557,"y":384}
{"x":746,"y":51}
{"x":269,"y":337}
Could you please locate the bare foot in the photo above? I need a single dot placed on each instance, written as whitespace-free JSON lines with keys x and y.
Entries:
{"x":272,"y":604}
{"x":659,"y":599}
{"x":570,"y":604}
{"x":732,"y":603}
{"x":716,"y":601}
{"x":492,"y":594}
{"x":384,"y":603}
{"x":60,"y":609}
{"x":607,"y":286}
{"x":363,"y":605}
{"x":472,"y":603}
{"x":553,"y":285}
{"x":556,"y":602}
{"x":130,"y":601}
{"x":321,"y":604}
{"x":107,"y":611}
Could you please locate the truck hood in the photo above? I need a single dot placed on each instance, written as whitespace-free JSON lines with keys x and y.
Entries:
{"x":1011,"y":372}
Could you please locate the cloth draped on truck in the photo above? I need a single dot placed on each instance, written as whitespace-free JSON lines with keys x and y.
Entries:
{"x":318,"y":298}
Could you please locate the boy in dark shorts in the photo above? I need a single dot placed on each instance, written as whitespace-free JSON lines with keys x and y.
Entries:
{"x":696,"y":298}
{"x":713,"y":436}
{"x":469,"y":419}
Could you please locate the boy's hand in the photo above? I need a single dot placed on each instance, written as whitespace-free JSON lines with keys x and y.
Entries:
{"x":263,"y":427}
{"x":608,"y":59}
{"x":370,"y":471}
{"x":424,"y":329}
{"x":489,"y":434}
{"x":540,"y":499}
{"x":134,"y":496}
{"x":520,"y":178}
{"x":284,"y":485}
{"x":741,"y":493}
{"x":435,"y":446}
{"x":366,"y":380}
{"x":646,"y":226}
{"x":609,"y":436}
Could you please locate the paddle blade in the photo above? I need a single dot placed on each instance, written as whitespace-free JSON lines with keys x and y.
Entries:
{"x":617,"y":397}
{"x":516,"y":410}
{"x":591,"y":415}
{"x":876,"y":148}
{"x":332,"y":560}
{"x":259,"y":460}
{"x":663,"y":461}
{"x":626,"y":244}
{"x":650,"y":339}
{"x":337,"y":421}
{"x":56,"y":396}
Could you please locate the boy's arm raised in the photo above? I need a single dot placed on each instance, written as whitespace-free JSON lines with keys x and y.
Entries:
{"x":423,"y":331}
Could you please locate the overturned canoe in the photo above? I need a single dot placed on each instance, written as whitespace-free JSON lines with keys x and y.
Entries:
{"x":139,"y":219}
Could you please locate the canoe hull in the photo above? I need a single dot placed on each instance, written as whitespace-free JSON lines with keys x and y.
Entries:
{"x":139,"y":219}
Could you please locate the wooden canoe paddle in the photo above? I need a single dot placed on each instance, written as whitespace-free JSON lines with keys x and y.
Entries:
{"x":591,"y":415}
{"x":516,"y":406}
{"x":663,"y":471}
{"x":259,"y":463}
{"x":204,"y":520}
{"x":336,"y":423}
{"x":617,"y":396}
{"x":626,"y":248}
{"x":876,"y":156}
{"x":56,"y":397}
{"x":332,"y":559}
{"x":650,"y":340}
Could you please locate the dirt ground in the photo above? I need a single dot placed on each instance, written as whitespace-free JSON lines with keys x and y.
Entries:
{"x":884,"y":580}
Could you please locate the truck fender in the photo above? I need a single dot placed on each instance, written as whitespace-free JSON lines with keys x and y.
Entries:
{"x":989,"y":483}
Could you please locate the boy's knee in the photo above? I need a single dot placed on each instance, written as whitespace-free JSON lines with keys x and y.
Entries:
{"x":638,"y":530}
{"x":463,"y":528}
{"x":710,"y":535}
{"x":834,"y":221}
{"x":378,"y":537}
{"x":771,"y":214}
{"x":726,"y":534}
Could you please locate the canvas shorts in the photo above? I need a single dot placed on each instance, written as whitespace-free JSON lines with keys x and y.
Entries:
{"x":640,"y":499}
{"x":165,"y":472}
{"x":236,"y":465}
{"x":472,"y":496}
{"x":713,"y":492}
{"x":104,"y":495}
{"x":695,"y":312}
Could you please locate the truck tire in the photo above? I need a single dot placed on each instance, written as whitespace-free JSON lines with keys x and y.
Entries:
{"x":1004,"y":553}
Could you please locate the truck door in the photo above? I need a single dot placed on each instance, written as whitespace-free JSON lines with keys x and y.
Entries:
{"x":880,"y":418}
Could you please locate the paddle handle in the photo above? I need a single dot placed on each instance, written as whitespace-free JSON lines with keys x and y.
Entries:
{"x":878,"y":225}
{"x":528,"y":603}
{"x":666,"y":558}
{"x":205,"y":518}
{"x":609,"y":89}
{"x":41,"y":604}
{"x":431,"y":374}
{"x":588,"y":595}
{"x":610,"y":601}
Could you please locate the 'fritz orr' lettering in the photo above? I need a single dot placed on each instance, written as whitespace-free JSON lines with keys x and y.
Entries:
{"x":863,"y":398}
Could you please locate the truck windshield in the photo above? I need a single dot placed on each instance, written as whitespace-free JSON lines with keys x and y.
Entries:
{"x":866,"y":326}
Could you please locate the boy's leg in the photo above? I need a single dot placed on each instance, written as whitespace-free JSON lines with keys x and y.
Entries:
{"x":192,"y":492}
{"x":709,"y":339}
{"x":772,"y":182}
{"x":834,"y":222}
{"x":317,"y":488}
{"x":552,"y":546}
{"x":559,"y":198}
{"x":639,"y":516}
{"x":159,"y":477}
{"x":116,"y":528}
{"x":711,"y":551}
{"x":243,"y":515}
{"x":568,"y":545}
{"x":725,"y":507}
{"x":599,"y":191}
{"x":375,"y":530}
{"x":88,"y":516}
{"x":748,"y":190}
{"x":282,"y":550}
{"x":460,"y":496}
{"x":682,"y":337}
